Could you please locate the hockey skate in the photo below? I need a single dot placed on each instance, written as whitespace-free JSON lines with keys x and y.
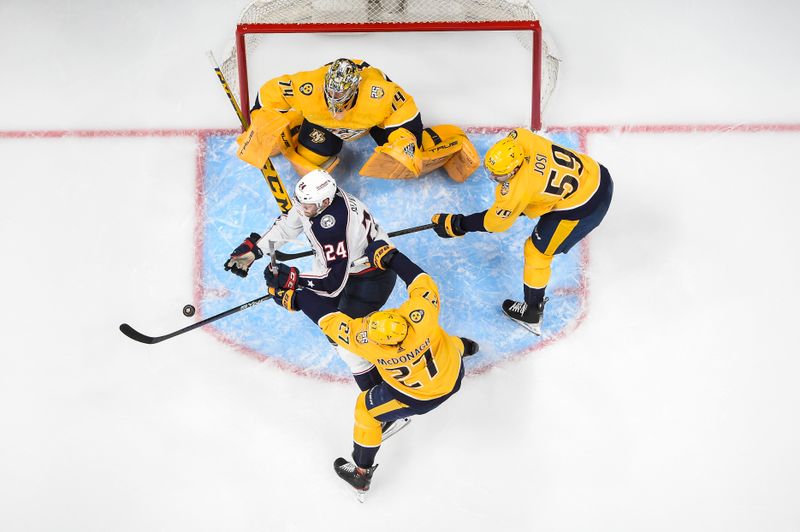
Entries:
{"x":390,"y":428}
{"x":359,"y":478}
{"x":526,"y":316}
{"x":470,"y":347}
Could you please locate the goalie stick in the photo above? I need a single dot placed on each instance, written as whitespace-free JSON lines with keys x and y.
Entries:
{"x":283,"y":257}
{"x":269,"y":172}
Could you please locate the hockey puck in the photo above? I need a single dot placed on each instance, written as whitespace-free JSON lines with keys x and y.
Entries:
{"x":188,"y":311}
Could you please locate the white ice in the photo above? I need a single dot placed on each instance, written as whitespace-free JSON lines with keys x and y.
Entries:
{"x":673,"y":406}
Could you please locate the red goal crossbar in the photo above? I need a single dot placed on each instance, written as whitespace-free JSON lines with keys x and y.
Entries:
{"x":378,"y":27}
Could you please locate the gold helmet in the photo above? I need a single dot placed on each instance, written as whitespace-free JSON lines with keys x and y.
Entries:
{"x":504,"y":157}
{"x":386,"y":327}
{"x":341,"y":85}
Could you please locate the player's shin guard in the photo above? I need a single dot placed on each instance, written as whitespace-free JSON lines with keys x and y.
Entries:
{"x":367,"y":434}
{"x":536,"y":272}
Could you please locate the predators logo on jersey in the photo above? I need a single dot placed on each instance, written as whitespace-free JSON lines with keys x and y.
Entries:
{"x":426,"y":364}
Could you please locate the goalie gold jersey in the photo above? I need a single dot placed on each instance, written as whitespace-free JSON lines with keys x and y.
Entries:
{"x":379,"y":102}
{"x":307,"y":118}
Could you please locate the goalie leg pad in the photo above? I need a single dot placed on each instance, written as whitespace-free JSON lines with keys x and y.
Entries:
{"x":400,"y":158}
{"x":304,"y":160}
{"x":462,"y":164}
{"x":447,"y":145}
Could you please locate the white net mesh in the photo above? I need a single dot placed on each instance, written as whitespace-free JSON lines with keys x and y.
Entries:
{"x":398,"y":12}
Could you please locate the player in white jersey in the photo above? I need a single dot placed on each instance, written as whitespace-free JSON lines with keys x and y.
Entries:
{"x":339,"y":227}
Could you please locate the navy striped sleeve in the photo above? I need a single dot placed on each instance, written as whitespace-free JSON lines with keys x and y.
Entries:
{"x":405,"y":268}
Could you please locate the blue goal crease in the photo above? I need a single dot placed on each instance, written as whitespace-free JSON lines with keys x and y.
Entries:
{"x":474,"y":273}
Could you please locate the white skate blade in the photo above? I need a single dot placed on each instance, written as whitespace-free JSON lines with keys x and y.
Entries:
{"x":535,"y":328}
{"x":398,"y":425}
{"x":361,"y":496}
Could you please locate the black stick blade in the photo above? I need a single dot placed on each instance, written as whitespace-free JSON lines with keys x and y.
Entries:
{"x":133,"y":334}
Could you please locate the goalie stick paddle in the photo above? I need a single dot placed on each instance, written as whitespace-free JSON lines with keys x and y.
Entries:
{"x":133,"y":334}
{"x":269,"y":172}
{"x":283,"y":257}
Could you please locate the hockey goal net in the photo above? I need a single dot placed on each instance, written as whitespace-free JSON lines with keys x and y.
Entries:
{"x":434,"y":22}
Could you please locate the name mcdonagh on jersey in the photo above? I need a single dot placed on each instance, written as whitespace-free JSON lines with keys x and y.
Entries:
{"x":407,"y":357}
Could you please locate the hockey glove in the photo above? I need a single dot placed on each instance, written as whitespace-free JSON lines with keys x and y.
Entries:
{"x":285,"y":279}
{"x":448,"y":225}
{"x":380,"y":254}
{"x":284,"y":298}
{"x":244,"y":255}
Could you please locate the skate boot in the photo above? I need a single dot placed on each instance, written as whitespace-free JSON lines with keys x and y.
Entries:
{"x":390,"y":428}
{"x":357,"y":477}
{"x":470,"y":347}
{"x":522,"y":313}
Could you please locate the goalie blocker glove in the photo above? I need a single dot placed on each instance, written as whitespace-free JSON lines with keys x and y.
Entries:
{"x":244,"y":255}
{"x":448,"y":225}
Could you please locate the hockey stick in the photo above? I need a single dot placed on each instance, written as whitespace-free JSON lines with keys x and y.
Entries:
{"x":133,"y":334}
{"x":283,"y":257}
{"x":269,"y":172}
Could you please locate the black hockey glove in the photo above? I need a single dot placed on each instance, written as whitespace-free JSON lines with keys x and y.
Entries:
{"x":244,"y":255}
{"x":448,"y":225}
{"x":380,"y":254}
{"x":285,"y":279}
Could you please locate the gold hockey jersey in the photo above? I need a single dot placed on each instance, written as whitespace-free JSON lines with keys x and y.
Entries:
{"x":551,"y":178}
{"x":426,"y":364}
{"x":379,"y":101}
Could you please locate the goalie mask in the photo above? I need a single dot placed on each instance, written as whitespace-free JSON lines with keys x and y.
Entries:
{"x":386,"y":327}
{"x":341,"y":85}
{"x":504,"y":159}
{"x":314,"y":192}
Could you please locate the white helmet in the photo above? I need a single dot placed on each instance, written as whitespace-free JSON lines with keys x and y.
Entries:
{"x":313,"y":189}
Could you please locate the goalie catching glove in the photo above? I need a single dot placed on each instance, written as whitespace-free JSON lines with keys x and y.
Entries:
{"x":244,"y":255}
{"x":448,"y":225}
{"x":380,"y":254}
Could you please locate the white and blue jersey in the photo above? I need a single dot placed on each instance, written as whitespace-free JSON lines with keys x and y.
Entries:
{"x":338,"y":236}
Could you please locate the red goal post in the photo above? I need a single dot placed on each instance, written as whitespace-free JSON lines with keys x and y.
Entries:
{"x":381,"y":16}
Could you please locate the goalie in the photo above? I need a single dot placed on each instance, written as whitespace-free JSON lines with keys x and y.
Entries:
{"x":308,"y":116}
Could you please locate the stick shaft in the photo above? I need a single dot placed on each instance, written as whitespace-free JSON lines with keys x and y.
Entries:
{"x":133,"y":334}
{"x":283,"y":257}
{"x":269,"y":172}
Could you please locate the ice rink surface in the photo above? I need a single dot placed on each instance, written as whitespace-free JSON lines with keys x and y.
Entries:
{"x":671,"y":405}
